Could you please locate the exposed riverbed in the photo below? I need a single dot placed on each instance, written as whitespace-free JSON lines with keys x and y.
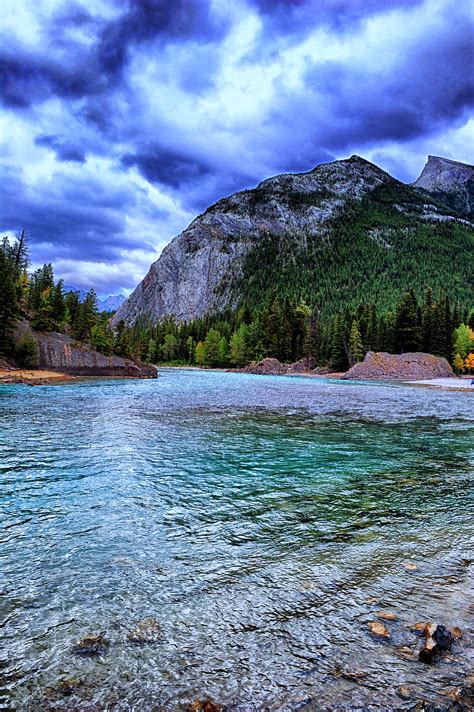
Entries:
{"x":261,"y":522}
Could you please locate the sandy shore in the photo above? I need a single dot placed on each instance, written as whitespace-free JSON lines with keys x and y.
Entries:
{"x":22,"y":375}
{"x":463,"y":384}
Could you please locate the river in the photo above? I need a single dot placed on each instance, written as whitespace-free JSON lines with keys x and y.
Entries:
{"x":262,"y":521}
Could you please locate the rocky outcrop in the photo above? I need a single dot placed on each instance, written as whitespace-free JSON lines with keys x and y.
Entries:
{"x":399,"y":367}
{"x":59,"y":352}
{"x":267,"y":367}
{"x":451,"y":181}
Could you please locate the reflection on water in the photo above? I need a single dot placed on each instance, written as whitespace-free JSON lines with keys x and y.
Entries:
{"x":262,"y":521}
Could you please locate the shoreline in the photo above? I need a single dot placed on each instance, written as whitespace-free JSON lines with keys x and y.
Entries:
{"x":46,"y":377}
{"x":461,"y":383}
{"x":32,"y":376}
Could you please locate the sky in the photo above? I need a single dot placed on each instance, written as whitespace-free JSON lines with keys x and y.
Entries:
{"x":121,"y":120}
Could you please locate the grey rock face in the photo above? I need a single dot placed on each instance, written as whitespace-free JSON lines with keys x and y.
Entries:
{"x":451,"y":180}
{"x":188,"y":279}
{"x":58,"y":352}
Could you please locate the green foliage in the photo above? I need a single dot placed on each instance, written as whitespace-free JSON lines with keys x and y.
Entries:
{"x":370,"y":252}
{"x":407,"y":326}
{"x":26,"y":352}
{"x":9,"y":307}
{"x":102,"y":337}
{"x":462,"y":341}
{"x":212,"y":348}
{"x":356,"y":347}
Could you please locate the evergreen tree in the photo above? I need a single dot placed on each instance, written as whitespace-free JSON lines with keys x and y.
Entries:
{"x":339,"y":359}
{"x":407,"y":329}
{"x":211,"y":348}
{"x":8,"y":303}
{"x":312,"y":342}
{"x":26,"y":352}
{"x":59,"y":312}
{"x":356,"y":346}
{"x":238,"y":346}
{"x":223,"y":349}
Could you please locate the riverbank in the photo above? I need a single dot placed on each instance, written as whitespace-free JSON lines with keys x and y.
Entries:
{"x":33,"y":376}
{"x":457,"y":384}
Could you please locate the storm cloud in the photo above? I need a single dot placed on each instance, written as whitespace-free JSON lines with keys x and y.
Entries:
{"x":120,"y":121}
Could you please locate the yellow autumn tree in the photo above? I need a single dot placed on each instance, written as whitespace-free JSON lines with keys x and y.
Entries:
{"x":469,"y":362}
{"x":458,"y":363}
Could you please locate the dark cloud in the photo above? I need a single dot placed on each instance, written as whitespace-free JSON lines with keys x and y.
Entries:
{"x":77,"y":218}
{"x":201,"y":107}
{"x":170,"y":168}
{"x":64,"y":150}
{"x":147,"y":20}
{"x":302,"y":16}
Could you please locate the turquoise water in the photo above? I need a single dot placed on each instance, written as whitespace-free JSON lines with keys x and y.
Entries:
{"x":262,"y":521}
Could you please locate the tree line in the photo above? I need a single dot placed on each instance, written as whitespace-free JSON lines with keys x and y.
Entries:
{"x":38,"y":298}
{"x":283,"y":327}
{"x":290,"y":330}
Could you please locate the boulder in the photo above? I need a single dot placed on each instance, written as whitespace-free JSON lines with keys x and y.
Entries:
{"x":92,"y":644}
{"x":145,"y":631}
{"x":382,"y":366}
{"x":267,"y":367}
{"x":304,"y":365}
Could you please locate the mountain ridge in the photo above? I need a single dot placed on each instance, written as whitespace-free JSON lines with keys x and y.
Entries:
{"x":210,"y":265}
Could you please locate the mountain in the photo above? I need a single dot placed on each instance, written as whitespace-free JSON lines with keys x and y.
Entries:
{"x":451,"y":181}
{"x":109,"y":304}
{"x":342,"y":233}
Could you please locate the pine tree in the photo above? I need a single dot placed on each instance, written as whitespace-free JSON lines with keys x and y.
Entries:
{"x":199,"y":354}
{"x":223,"y":348}
{"x":356,"y":346}
{"x":407,"y":330}
{"x":312,"y":342}
{"x":211,"y":348}
{"x":8,"y":304}
{"x":339,"y":348}
{"x":58,"y":314}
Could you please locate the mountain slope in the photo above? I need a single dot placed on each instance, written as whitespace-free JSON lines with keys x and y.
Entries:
{"x":342,"y":232}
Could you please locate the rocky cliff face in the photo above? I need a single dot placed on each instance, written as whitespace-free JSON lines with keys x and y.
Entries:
{"x":187,"y":279}
{"x":58,"y":352}
{"x":197,"y":272}
{"x":399,"y":367}
{"x":451,"y":181}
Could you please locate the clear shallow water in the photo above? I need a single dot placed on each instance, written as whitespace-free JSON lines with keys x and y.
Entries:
{"x":256,"y":518}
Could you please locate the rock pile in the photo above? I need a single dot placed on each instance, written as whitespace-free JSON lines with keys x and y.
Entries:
{"x":382,"y":366}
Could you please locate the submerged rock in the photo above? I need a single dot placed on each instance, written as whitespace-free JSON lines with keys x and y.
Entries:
{"x":443,"y":637}
{"x":145,"y":631}
{"x":387,"y":615}
{"x":438,"y":639}
{"x":382,"y":366}
{"x":68,"y":686}
{"x":205,"y":705}
{"x":91,"y":645}
{"x":377,"y":628}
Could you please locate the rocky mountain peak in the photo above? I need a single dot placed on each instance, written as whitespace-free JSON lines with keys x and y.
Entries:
{"x":198,"y":271}
{"x":443,"y":174}
{"x":452,"y":181}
